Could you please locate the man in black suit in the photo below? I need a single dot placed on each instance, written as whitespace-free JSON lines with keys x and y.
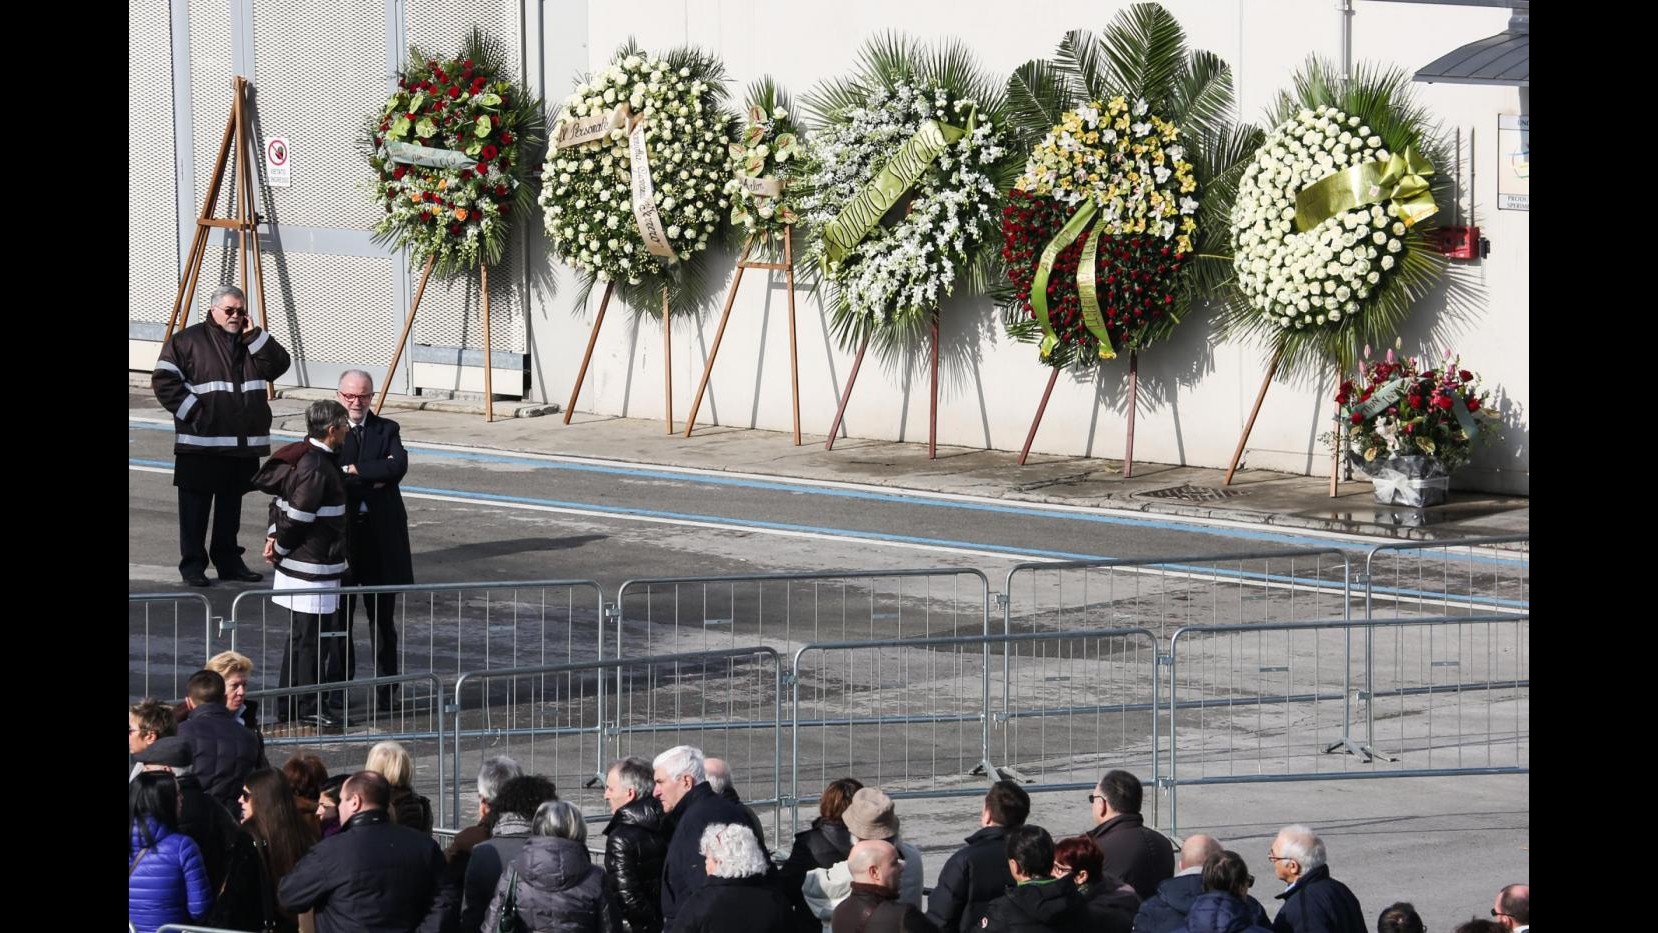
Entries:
{"x":374,"y":462}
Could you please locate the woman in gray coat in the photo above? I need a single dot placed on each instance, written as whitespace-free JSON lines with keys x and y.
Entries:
{"x":554,"y":886}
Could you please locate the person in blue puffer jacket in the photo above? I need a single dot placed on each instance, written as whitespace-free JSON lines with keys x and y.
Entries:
{"x":166,"y":878}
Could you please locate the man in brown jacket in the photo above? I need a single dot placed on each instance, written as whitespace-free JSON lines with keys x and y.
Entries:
{"x":873,"y":905}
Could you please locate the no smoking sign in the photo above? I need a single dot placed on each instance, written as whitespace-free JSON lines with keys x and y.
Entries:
{"x":277,"y":169}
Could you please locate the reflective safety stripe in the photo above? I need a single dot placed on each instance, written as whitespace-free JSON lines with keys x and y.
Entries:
{"x":184,"y":409}
{"x":198,"y":440}
{"x":163,"y":364}
{"x":318,"y":569}
{"x":327,"y":511}
{"x":255,"y":346}
{"x":202,"y":388}
{"x":256,"y":385}
{"x":261,"y":440}
{"x":283,"y":550}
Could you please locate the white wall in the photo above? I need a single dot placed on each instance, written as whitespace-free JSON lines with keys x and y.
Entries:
{"x":1195,"y":394}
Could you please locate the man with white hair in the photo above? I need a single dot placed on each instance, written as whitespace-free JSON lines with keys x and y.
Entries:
{"x":1165,"y":911}
{"x":682,"y":786}
{"x":1314,"y":902}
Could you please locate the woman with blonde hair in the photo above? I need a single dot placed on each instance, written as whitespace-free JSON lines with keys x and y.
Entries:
{"x":408,"y":808}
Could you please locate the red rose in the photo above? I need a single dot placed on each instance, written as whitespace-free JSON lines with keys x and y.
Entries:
{"x":467,"y":63}
{"x":483,"y":168}
{"x":466,"y":174}
{"x":454,"y":229}
{"x":490,"y":152}
{"x":494,"y":120}
{"x":1473,"y":404}
{"x":1466,"y":376}
{"x":504,"y":163}
{"x":454,"y":92}
{"x":400,"y":171}
{"x":1357,"y":418}
{"x":1445,"y":402}
{"x":500,"y":191}
{"x":425,"y":215}
{"x":1415,"y":401}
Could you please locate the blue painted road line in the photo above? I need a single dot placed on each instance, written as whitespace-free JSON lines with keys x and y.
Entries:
{"x":889,"y":498}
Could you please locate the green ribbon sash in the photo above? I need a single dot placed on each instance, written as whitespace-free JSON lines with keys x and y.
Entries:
{"x":1401,"y":179}
{"x":1089,"y":293}
{"x":864,"y":211}
{"x":1039,"y":285}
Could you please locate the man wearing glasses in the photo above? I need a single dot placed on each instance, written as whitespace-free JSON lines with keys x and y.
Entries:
{"x":374,"y":462}
{"x":1314,"y":902}
{"x":1513,"y":908}
{"x":213,"y":377}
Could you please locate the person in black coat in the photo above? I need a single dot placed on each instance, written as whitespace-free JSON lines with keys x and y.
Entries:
{"x":1314,"y":902}
{"x":554,"y":885}
{"x":682,"y":787}
{"x":737,"y":896}
{"x":873,"y":906}
{"x":718,"y":774}
{"x":1111,"y":902}
{"x":825,"y":844}
{"x":978,"y":874}
{"x":636,"y":844}
{"x":1165,"y":912}
{"x":1037,"y":902}
{"x":374,"y":876}
{"x":1134,"y":852}
{"x":1225,"y":905}
{"x":374,"y":462}
{"x":225,"y":751}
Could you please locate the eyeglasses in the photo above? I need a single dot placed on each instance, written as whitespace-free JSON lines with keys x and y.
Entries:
{"x":1094,"y":797}
{"x":233,"y":312}
{"x":245,"y":794}
{"x":1497,"y":913}
{"x":357,"y":398}
{"x":1278,"y":858}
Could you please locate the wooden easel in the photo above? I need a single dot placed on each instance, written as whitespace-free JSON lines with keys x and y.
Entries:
{"x":787,"y":267}
{"x":1133,"y":402}
{"x":667,"y":356}
{"x":932,"y":411}
{"x":245,"y":223}
{"x":1272,"y":370}
{"x":408,"y":325}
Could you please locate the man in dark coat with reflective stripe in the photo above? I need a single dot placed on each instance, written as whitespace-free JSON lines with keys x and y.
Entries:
{"x":1314,"y":902}
{"x":213,"y":377}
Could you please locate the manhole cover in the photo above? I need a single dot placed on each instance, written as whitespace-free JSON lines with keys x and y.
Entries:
{"x":1190,"y":493}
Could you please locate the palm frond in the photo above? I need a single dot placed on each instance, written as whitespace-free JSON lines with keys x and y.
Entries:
{"x":1201,"y":98}
{"x":1144,"y":49}
{"x":1080,"y":59}
{"x":832,"y":98}
{"x":887,"y":59}
{"x":1037,"y":95}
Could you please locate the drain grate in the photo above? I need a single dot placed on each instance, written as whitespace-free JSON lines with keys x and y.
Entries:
{"x":1190,"y":493}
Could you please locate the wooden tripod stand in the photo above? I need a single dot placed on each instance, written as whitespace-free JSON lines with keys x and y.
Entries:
{"x":1133,"y":403}
{"x":787,"y":267}
{"x":408,"y":325}
{"x":667,"y":356}
{"x":1272,"y":370}
{"x":245,"y":222}
{"x":932,"y":410}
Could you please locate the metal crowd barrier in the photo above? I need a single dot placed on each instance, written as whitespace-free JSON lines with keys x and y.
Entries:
{"x":1266,"y":703}
{"x":166,"y":623}
{"x":913,"y":716}
{"x":545,"y":718}
{"x":1438,"y":577}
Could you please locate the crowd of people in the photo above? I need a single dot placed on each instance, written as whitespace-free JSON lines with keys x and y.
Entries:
{"x":221,"y":839}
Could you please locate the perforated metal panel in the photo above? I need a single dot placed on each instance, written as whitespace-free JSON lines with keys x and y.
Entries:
{"x":321,"y":71}
{"x":152,"y":197}
{"x":449,"y":314}
{"x":211,"y":97}
{"x":316,"y":305}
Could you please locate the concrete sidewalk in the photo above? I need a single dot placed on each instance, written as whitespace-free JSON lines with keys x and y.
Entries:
{"x":1256,"y":496}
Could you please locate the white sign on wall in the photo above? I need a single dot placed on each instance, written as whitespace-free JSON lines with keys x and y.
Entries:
{"x":1514,"y":162}
{"x":276,"y":161}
